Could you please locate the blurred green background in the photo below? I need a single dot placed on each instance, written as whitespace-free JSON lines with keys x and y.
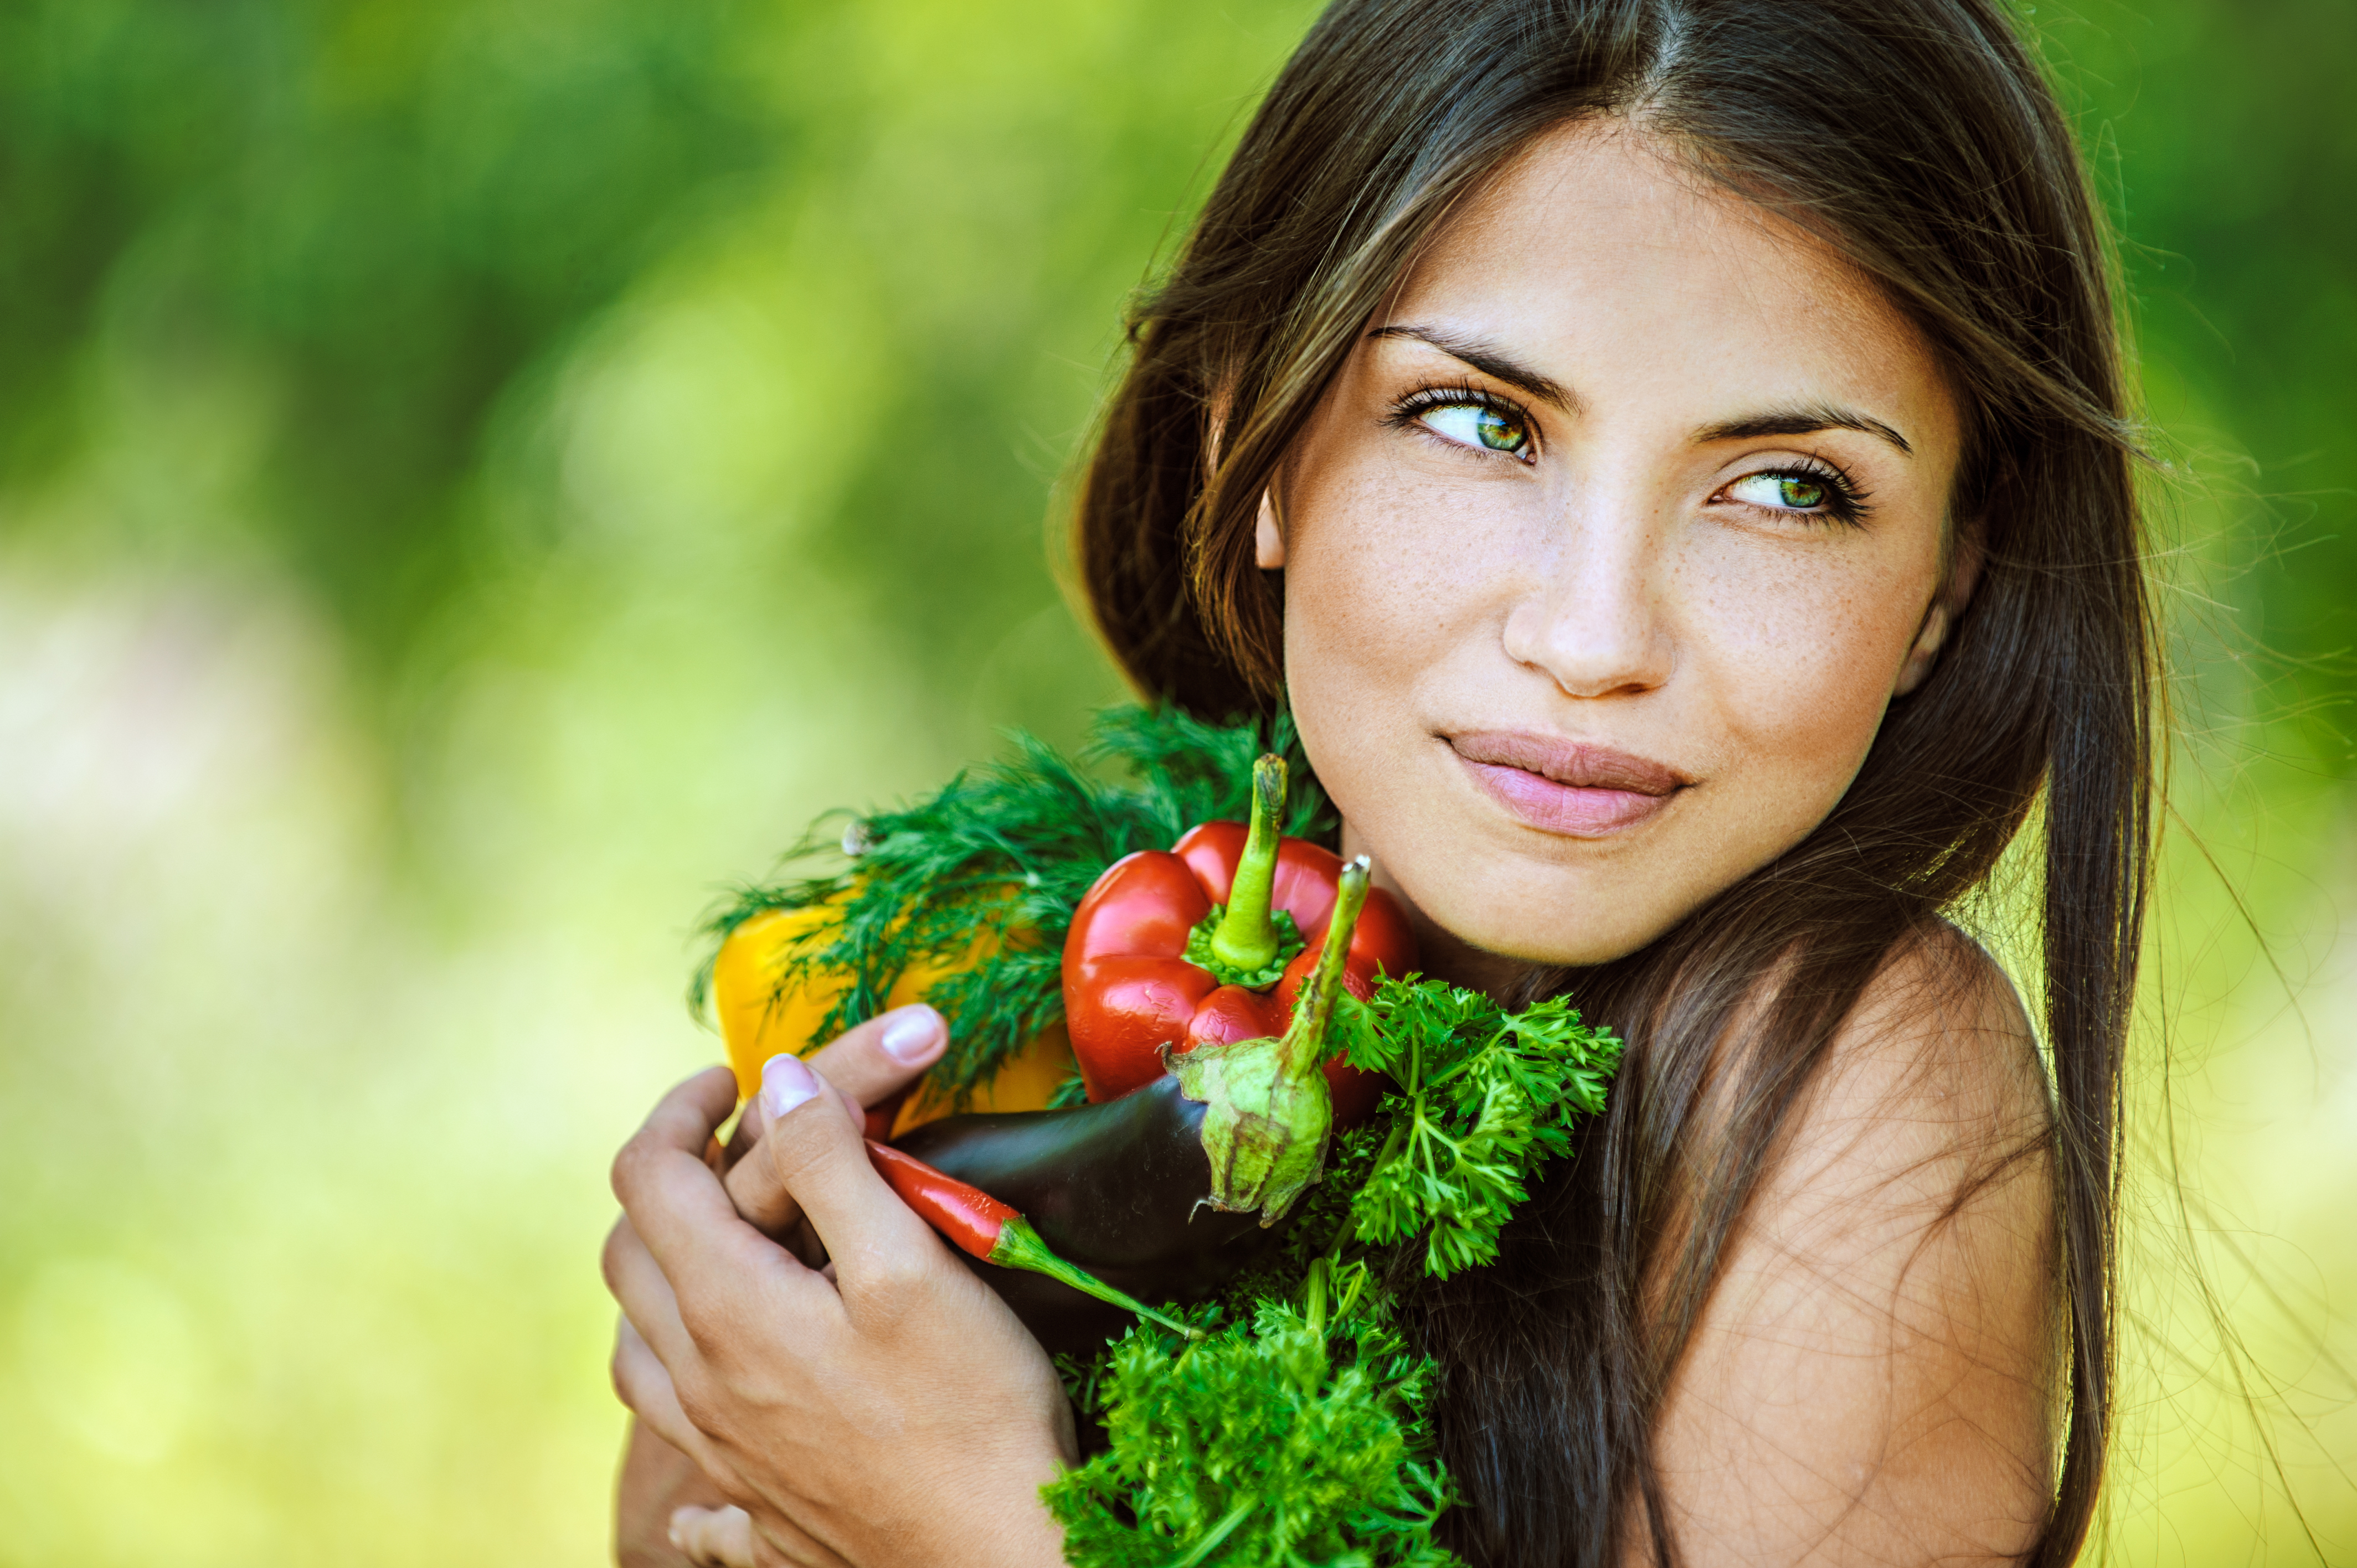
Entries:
{"x":475,"y":477}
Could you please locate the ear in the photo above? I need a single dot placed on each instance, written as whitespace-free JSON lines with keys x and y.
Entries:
{"x":1268,"y":538}
{"x":1947,"y":604}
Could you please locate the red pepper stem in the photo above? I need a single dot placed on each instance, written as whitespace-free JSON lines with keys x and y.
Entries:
{"x":1303,"y":1050}
{"x":1020,"y":1247}
{"x":1246,"y":938}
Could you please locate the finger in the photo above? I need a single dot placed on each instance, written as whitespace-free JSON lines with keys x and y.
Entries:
{"x":872,"y":1065}
{"x":641,"y":1383}
{"x":656,"y":1480}
{"x":874,"y":1240}
{"x":764,"y":1205}
{"x":640,"y":1288}
{"x":674,"y":1200}
{"x":883,"y":1056}
{"x":753,"y":1185}
{"x":753,"y":1188}
{"x":714,"y":1538}
{"x":721,"y":1274}
{"x":741,"y":1139}
{"x":685,"y":1118}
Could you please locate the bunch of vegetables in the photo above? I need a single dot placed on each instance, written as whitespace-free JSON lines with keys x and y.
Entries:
{"x":1266,"y":1107}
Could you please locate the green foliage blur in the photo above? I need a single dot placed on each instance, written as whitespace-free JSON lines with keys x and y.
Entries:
{"x":477,"y":478}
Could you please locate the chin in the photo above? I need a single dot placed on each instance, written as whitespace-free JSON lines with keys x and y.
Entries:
{"x":1535,"y":913}
{"x":1575,"y":945}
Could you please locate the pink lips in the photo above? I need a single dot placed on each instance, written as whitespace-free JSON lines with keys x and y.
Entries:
{"x":1563,"y":787}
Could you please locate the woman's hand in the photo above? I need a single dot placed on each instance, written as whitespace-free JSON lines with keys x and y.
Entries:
{"x":889,"y":1410}
{"x":667,"y":1511}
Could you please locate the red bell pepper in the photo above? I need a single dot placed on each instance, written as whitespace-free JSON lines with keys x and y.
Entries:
{"x":1210,"y":941}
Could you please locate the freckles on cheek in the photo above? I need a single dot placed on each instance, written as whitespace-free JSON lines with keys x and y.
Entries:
{"x":1801,"y":670}
{"x":1378,"y":579}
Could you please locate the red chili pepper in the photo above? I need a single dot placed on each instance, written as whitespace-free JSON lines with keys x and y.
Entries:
{"x":981,"y":1227}
{"x":1209,"y":943}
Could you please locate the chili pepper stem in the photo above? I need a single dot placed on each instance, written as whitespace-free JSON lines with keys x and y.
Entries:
{"x":1246,"y":938}
{"x":1020,"y":1247}
{"x":982,"y":1226}
{"x":1267,"y":1109}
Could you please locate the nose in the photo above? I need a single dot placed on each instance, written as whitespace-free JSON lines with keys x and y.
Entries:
{"x":1594,"y":621}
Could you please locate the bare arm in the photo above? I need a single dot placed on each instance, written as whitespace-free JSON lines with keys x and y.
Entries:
{"x":1870,"y":1381}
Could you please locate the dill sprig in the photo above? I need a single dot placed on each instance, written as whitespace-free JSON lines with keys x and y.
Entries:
{"x":995,"y":863}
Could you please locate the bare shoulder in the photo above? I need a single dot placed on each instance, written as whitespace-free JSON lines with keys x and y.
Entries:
{"x":1937,"y":1061}
{"x":1871,"y":1379}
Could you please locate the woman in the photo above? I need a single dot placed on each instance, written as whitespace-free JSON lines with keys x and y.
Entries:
{"x":1670,"y":455}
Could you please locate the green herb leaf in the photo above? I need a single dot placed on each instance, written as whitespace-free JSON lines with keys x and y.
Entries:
{"x":1296,"y":1437}
{"x":1486,"y":1097}
{"x":1300,"y":1434}
{"x":1000,"y":859}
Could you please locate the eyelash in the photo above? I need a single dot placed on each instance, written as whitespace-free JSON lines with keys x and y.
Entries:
{"x":1847,"y":504}
{"x":1408,"y":409}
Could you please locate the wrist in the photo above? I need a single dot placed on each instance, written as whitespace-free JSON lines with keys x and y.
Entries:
{"x":1026,"y":1537}
{"x":1012,"y":1529}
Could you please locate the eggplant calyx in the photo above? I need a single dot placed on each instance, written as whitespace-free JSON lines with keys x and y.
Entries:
{"x":1267,"y":1112}
{"x":1265,"y":1130}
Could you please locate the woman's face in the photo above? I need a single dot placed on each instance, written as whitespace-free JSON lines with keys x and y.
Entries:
{"x":1605,"y":553}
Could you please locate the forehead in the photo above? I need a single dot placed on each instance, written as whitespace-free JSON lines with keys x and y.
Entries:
{"x":1598,"y":248}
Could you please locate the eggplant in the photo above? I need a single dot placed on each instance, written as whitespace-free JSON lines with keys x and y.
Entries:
{"x":1120,"y":1189}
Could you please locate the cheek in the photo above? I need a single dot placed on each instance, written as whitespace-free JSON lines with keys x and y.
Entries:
{"x":1795,"y":653}
{"x":1381,"y":592}
{"x":1394,"y":587}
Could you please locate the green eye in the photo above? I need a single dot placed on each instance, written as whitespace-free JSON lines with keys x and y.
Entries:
{"x":1783,"y":493}
{"x":1478,"y":424}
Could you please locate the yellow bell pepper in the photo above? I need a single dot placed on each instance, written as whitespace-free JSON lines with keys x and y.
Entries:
{"x":758,"y":1022}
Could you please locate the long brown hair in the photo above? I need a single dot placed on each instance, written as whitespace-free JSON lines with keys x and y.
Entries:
{"x":1917,"y":137}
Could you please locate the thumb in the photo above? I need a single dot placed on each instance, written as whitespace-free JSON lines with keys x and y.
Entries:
{"x":875,"y":1064}
{"x":818,"y":1158}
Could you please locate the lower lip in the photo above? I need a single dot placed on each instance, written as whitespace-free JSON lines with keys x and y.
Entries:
{"x":1557,"y":808}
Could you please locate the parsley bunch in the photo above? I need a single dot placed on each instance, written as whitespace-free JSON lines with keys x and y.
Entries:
{"x":1297,"y":1436}
{"x":1486,"y":1097}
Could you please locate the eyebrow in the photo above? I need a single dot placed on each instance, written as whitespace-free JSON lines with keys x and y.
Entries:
{"x":1499,"y":365}
{"x":1801,"y":422}
{"x":1488,"y":358}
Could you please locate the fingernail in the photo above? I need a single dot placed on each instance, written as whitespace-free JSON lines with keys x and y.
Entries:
{"x":910,"y":1034}
{"x":786,"y":1082}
